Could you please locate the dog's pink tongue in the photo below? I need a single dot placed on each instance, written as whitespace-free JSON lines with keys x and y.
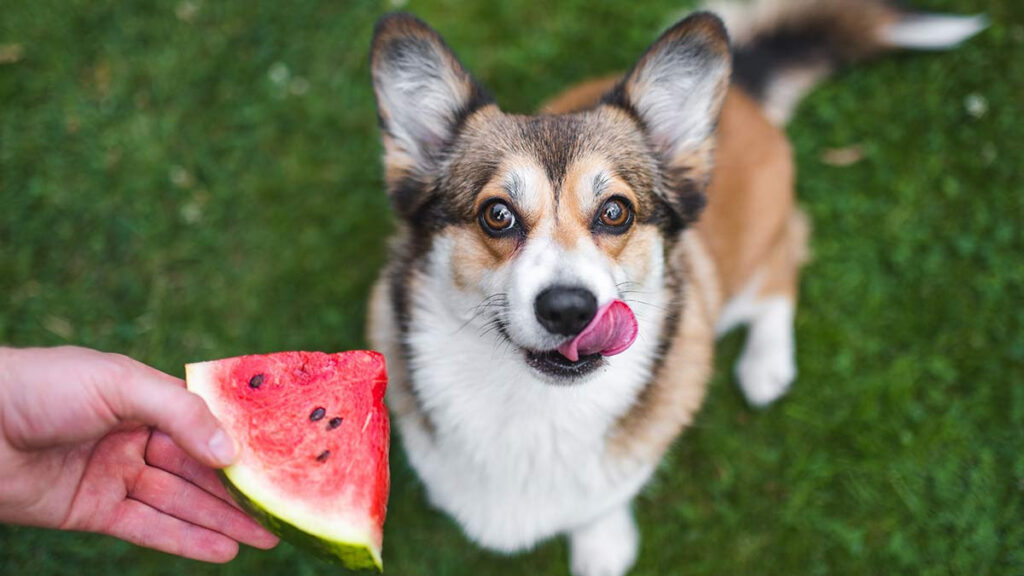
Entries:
{"x":612,"y":331}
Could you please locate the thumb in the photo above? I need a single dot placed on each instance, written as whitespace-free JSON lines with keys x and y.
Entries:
{"x":147,"y":395}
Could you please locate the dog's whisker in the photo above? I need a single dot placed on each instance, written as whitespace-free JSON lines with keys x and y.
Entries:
{"x":497,"y":301}
{"x":648,"y":304}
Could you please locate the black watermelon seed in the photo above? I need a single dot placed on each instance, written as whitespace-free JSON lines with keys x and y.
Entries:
{"x":323,"y":456}
{"x":318,"y":414}
{"x":256,"y":381}
{"x":334,"y":423}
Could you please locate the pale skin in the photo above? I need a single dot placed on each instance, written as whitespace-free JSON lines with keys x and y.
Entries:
{"x":102,"y":443}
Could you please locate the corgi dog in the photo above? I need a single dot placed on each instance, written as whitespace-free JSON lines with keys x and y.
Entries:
{"x":557,"y":281}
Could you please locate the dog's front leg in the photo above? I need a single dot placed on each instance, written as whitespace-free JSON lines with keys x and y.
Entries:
{"x":607,"y":546}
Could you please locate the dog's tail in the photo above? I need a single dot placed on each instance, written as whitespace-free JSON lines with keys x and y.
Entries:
{"x":783,"y":48}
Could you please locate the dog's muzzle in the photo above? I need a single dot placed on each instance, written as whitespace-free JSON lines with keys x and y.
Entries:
{"x":591,"y":332}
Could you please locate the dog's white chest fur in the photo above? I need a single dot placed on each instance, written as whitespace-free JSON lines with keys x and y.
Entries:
{"x":513,"y":459}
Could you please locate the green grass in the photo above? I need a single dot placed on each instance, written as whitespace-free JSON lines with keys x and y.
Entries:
{"x":183,"y":185}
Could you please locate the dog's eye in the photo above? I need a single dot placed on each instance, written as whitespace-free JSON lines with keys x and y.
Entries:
{"x":615,"y":215}
{"x":497,"y":219}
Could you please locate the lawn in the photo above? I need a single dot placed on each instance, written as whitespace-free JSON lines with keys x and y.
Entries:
{"x":195,"y":179}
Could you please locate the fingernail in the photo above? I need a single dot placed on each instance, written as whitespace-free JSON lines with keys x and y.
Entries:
{"x":223,"y":447}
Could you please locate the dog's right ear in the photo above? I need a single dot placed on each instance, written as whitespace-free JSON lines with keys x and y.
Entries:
{"x":423,"y":94}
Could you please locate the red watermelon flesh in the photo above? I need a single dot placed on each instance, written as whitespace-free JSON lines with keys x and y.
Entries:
{"x":314,"y":438}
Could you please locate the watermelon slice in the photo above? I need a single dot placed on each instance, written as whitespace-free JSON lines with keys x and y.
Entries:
{"x":313,"y":433}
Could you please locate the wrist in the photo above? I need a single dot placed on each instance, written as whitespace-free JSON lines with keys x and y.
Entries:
{"x":7,"y":359}
{"x":10,"y":499}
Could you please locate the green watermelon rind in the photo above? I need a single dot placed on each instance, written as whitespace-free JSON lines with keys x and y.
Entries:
{"x":356,"y":556}
{"x":338,"y":542}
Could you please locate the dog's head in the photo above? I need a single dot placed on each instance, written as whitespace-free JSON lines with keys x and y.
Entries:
{"x":538,"y":224}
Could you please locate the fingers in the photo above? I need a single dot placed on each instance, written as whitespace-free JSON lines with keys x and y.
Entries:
{"x":140,"y":524}
{"x":147,"y":395}
{"x":163,"y":453}
{"x":186,"y":501}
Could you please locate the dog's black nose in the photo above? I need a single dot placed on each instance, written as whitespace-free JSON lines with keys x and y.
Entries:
{"x":565,"y":310}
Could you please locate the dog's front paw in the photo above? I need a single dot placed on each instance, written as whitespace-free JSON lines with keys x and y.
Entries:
{"x":607,"y":547}
{"x":767,"y":365}
{"x":765,"y":376}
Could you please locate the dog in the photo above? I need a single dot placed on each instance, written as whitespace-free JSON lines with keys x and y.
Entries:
{"x":557,"y":281}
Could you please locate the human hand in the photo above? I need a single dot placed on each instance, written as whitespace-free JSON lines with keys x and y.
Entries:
{"x":101,"y":443}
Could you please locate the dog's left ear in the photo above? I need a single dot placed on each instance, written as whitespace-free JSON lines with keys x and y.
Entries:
{"x":676,"y":91}
{"x":423,"y":94}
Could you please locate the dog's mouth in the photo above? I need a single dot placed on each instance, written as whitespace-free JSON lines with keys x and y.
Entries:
{"x":553,"y":363}
{"x":612,"y":330}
